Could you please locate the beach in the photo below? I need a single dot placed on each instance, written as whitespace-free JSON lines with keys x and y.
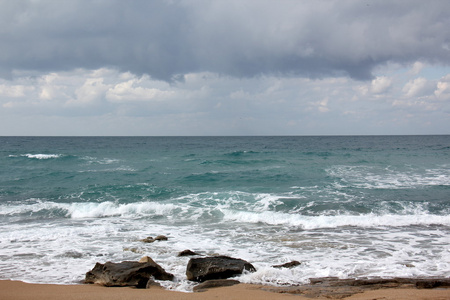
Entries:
{"x":17,"y":290}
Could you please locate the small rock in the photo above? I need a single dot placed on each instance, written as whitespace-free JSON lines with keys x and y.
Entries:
{"x":289,"y":265}
{"x":147,"y":259}
{"x":151,"y":283}
{"x":161,"y":238}
{"x":187,"y":253}
{"x":148,"y":239}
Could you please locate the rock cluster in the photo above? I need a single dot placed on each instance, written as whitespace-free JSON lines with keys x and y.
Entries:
{"x":213,"y":269}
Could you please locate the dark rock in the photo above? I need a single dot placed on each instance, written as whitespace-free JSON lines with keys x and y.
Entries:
{"x":216,"y":267}
{"x":432,"y":283}
{"x":148,"y":239}
{"x":289,"y":265}
{"x":335,"y":288}
{"x":214,"y":283}
{"x":187,"y":253}
{"x":127,"y":273}
{"x":161,"y":238}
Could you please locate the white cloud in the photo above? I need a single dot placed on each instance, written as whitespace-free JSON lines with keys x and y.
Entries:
{"x":131,"y":91}
{"x":108,"y":102}
{"x":13,"y":91}
{"x":380,"y":84}
{"x":442,"y":91}
{"x":415,"y":87}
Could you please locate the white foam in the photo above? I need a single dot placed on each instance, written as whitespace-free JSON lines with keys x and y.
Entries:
{"x":322,"y":221}
{"x":42,"y":156}
{"x":369,"y":177}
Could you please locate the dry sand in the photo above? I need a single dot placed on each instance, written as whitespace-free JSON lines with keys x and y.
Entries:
{"x":16,"y":290}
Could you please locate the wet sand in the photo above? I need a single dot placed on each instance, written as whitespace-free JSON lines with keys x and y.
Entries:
{"x":17,"y":290}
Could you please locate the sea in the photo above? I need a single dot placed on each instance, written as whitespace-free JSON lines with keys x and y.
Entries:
{"x":342,"y":206}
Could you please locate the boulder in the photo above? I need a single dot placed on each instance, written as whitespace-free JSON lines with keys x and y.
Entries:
{"x":126,"y":273}
{"x":216,"y":267}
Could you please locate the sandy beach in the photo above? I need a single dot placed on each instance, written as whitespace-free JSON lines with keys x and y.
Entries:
{"x":16,"y":290}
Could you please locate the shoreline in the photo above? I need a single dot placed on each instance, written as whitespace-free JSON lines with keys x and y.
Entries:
{"x":18,"y":290}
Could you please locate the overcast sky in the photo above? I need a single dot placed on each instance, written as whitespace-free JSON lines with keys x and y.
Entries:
{"x":230,"y":67}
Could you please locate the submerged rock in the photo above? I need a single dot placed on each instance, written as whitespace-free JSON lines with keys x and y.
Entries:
{"x":161,"y":238}
{"x":289,"y":265}
{"x":148,"y":239}
{"x":187,"y":253}
{"x":126,"y":273}
{"x":216,"y":267}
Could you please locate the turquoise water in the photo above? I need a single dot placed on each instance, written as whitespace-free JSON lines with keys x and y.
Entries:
{"x":351,"y":206}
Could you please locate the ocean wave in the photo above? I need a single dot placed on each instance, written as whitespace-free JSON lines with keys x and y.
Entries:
{"x":47,"y":209}
{"x":38,"y":156}
{"x":322,"y":221}
{"x":384,"y":178}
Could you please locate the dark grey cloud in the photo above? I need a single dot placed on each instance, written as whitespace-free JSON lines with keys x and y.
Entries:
{"x":236,"y":38}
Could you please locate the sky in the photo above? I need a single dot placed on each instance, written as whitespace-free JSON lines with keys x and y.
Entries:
{"x":234,"y":67}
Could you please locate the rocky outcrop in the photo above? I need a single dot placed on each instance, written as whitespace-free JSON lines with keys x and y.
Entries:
{"x":127,"y":273}
{"x":216,"y":267}
{"x":335,"y":288}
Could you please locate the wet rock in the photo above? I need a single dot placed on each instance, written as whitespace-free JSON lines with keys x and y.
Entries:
{"x":126,"y":273}
{"x":147,"y":259}
{"x":187,"y":253}
{"x":214,"y":284}
{"x":161,"y":238}
{"x":289,"y":265}
{"x":216,"y":267}
{"x":335,"y":288}
{"x":148,"y":239}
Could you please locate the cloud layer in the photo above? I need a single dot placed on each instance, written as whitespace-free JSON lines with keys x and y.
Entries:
{"x":202,"y":67}
{"x":163,"y":39}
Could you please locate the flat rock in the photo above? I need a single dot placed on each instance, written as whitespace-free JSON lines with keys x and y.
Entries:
{"x":335,"y":288}
{"x":214,"y":284}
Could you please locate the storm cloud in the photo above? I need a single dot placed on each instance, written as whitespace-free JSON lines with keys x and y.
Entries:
{"x":167,"y":39}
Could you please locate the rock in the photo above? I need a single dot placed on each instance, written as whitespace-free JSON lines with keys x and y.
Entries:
{"x":214,"y":283}
{"x":147,"y":259}
{"x":161,"y":238}
{"x":289,"y":265}
{"x":148,"y":239}
{"x":187,"y":253}
{"x":216,"y":267}
{"x":335,"y":288}
{"x":151,"y":283}
{"x":126,"y":273}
